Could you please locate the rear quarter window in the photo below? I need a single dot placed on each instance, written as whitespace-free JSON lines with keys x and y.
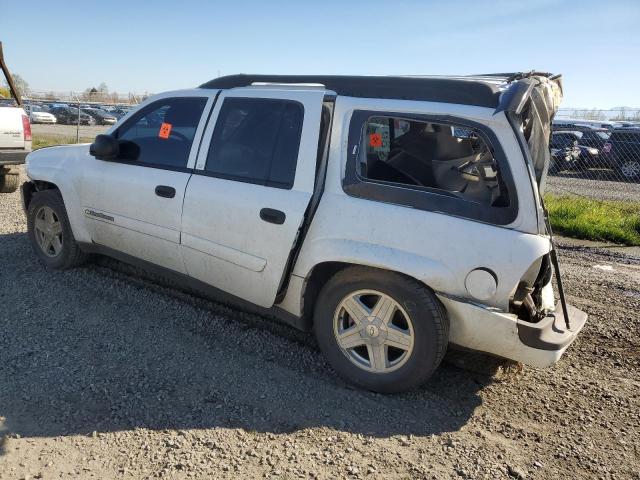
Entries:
{"x":424,"y":163}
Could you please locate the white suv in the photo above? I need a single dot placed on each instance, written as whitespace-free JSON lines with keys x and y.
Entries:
{"x":391,"y":215}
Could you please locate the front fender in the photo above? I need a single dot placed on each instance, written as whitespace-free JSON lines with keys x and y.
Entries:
{"x":62,"y":167}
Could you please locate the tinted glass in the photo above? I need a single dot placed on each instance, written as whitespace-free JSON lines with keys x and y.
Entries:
{"x":256,"y":140}
{"x":162,"y":133}
{"x":632,"y":137}
{"x":561,"y":140}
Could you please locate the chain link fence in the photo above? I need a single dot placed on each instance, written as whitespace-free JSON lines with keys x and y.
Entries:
{"x":594,"y":175}
{"x":75,"y":117}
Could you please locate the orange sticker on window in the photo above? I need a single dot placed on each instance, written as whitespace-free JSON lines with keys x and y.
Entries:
{"x":165,"y":130}
{"x":375,"y":140}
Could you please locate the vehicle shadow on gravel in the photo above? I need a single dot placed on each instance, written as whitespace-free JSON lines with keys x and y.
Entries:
{"x":99,"y":349}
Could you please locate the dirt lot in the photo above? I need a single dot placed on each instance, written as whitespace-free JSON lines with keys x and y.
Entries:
{"x":67,"y":131}
{"x":104,"y":374}
{"x":594,"y":183}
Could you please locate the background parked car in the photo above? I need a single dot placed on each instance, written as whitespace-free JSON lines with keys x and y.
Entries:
{"x":594,"y":138}
{"x":119,"y":112}
{"x":565,"y":153}
{"x":37,"y":114}
{"x":69,"y":116}
{"x":623,"y":152}
{"x":586,"y":141}
{"x":627,"y":125}
{"x":580,"y":124}
{"x":100,"y":116}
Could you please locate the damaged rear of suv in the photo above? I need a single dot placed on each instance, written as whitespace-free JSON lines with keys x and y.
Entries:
{"x":392,"y":216}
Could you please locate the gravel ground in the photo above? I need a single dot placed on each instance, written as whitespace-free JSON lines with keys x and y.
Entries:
{"x":593,"y":183}
{"x":104,"y":374}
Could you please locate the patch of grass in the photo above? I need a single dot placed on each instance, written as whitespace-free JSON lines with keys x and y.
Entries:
{"x":42,"y":141}
{"x":602,"y":220}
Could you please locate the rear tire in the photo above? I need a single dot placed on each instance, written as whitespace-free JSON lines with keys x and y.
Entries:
{"x":398,"y":340}
{"x":50,"y":232}
{"x":9,"y":182}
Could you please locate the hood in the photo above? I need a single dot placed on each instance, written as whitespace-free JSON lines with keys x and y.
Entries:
{"x":531,"y":101}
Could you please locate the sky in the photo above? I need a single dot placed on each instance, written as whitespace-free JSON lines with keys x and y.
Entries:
{"x":164,"y":45}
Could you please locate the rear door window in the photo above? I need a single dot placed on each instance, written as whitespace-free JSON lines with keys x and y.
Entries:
{"x":162,"y":133}
{"x":256,"y":140}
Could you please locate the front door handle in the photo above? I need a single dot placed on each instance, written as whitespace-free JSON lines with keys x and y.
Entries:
{"x":165,"y":191}
{"x":272,"y":216}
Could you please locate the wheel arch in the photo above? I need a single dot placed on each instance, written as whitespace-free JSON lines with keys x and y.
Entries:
{"x":61,"y":167}
{"x":71,"y":202}
{"x":34,"y":186}
{"x":321,"y":258}
{"x":321,"y":273}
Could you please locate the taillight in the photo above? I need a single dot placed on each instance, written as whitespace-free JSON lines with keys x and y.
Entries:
{"x":606,"y":148}
{"x":26,"y":127}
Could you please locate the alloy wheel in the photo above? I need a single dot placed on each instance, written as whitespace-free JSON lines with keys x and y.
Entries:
{"x":48,"y":231}
{"x":630,"y":169}
{"x":373,"y":331}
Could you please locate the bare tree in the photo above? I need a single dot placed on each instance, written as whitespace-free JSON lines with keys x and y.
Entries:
{"x":21,"y":84}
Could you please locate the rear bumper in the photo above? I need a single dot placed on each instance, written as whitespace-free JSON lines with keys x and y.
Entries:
{"x":551,"y":333}
{"x":487,"y":330}
{"x":13,"y":157}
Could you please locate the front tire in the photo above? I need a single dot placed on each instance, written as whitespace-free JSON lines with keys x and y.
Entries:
{"x":380,"y":330}
{"x":50,"y":232}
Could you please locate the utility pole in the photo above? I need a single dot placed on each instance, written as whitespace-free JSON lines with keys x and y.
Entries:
{"x":7,"y":75}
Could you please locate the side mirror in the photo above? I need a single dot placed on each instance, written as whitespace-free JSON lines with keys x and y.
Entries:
{"x":105,"y":147}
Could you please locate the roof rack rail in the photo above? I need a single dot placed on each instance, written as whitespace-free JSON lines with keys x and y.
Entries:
{"x":461,"y":90}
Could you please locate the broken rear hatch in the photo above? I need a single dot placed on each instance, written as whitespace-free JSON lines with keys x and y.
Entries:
{"x":531,"y":101}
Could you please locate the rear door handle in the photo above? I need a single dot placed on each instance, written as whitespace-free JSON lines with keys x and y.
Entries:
{"x":165,"y":191}
{"x":272,"y":216}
